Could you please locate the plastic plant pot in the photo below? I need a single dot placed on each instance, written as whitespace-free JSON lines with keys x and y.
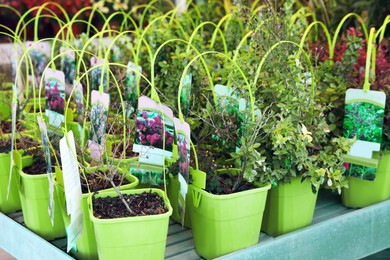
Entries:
{"x":86,"y":247}
{"x":141,"y":237}
{"x":290,"y":206}
{"x":173,"y":191}
{"x":362,"y":193}
{"x":34,"y":197}
{"x":222,"y":224}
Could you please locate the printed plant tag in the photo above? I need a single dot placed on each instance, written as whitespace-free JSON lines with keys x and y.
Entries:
{"x":154,"y":133}
{"x":183,"y":140}
{"x":148,"y":174}
{"x":14,"y":107}
{"x":40,"y":55}
{"x":132,"y":81}
{"x":74,"y":230}
{"x":99,"y":116}
{"x":79,"y":99}
{"x":68,"y":64}
{"x":55,"y":97}
{"x":46,"y":150}
{"x":96,"y":75}
{"x":72,"y":186}
{"x":185,"y":94}
{"x":363,"y":120}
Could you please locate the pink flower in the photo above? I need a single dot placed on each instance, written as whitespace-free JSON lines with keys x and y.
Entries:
{"x":153,"y":139}
{"x":346,"y":166}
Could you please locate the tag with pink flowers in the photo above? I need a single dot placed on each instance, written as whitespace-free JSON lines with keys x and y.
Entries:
{"x":55,"y":96}
{"x":155,"y":132}
{"x":183,"y":133}
{"x":99,"y":115}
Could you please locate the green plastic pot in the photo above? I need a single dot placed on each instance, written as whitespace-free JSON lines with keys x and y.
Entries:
{"x":173,"y":191}
{"x":362,"y":193}
{"x":86,"y":247}
{"x":141,"y":237}
{"x":13,"y":202}
{"x":5,"y":104}
{"x":222,"y":224}
{"x":34,"y":197}
{"x":290,"y":206}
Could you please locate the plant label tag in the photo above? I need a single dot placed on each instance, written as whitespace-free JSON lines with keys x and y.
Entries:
{"x":79,"y":99}
{"x":99,"y":115}
{"x":68,"y":65}
{"x":155,"y":132}
{"x":55,"y":97}
{"x":363,"y":120}
{"x":147,"y":173}
{"x":133,"y":73}
{"x":71,"y":174}
{"x":185,"y":94}
{"x":39,"y":53}
{"x":46,"y":150}
{"x":183,"y":139}
{"x":74,"y":230}
{"x":97,"y":79}
{"x":13,"y":113}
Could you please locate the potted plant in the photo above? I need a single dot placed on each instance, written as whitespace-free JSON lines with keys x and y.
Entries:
{"x":11,"y":202}
{"x":227,"y":203}
{"x":362,"y":193}
{"x":93,"y":180}
{"x":302,"y":153}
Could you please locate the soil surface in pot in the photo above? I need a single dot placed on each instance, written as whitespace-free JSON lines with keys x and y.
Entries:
{"x":118,"y":151}
{"x":6,"y":127}
{"x":96,"y":181}
{"x":221,"y":183}
{"x":21,"y":143}
{"x":147,"y":203}
{"x":38,"y":167}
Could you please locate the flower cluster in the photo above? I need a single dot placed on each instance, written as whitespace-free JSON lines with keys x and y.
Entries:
{"x":55,"y":101}
{"x":150,"y":131}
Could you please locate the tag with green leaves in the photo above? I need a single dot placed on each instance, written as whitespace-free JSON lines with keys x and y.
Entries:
{"x":46,"y":150}
{"x":97,"y":79}
{"x":99,"y":115}
{"x":68,"y":64}
{"x":185,"y":94}
{"x":148,"y":174}
{"x":155,"y":131}
{"x":79,"y":99}
{"x":131,"y":87}
{"x":55,"y":97}
{"x":364,"y":116}
{"x":40,"y":55}
{"x":183,"y":133}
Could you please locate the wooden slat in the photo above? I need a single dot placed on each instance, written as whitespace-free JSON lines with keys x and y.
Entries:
{"x":179,"y":248}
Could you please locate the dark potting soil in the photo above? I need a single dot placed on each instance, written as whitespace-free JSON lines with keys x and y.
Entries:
{"x":117,"y":151}
{"x":220,"y":184}
{"x":38,"y":167}
{"x":23,"y":143}
{"x":147,"y":203}
{"x":6,"y":127}
{"x":97,"y":182}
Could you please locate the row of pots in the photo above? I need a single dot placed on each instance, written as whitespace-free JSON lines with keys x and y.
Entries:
{"x":220,"y":223}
